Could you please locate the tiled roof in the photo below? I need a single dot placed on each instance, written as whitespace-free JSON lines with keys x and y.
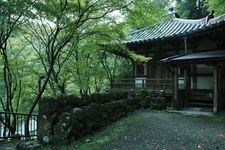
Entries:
{"x":173,"y":28}
{"x":196,"y":57}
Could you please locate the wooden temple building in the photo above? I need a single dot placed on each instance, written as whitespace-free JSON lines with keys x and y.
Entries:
{"x":188,"y":61}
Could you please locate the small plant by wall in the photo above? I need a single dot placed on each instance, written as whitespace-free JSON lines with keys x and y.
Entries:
{"x":153,"y":100}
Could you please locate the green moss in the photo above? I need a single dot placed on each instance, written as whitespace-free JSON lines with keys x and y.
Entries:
{"x":106,"y":135}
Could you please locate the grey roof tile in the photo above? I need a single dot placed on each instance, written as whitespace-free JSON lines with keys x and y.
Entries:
{"x":173,"y":28}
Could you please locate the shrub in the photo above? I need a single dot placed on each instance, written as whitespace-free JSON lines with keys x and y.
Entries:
{"x":147,"y":102}
{"x":159,"y":102}
{"x":152,"y":100}
{"x":107,"y":97}
{"x":143,"y":94}
{"x":131,"y":94}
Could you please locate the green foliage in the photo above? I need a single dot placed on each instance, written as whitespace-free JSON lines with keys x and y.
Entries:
{"x":67,"y":35}
{"x":216,"y":5}
{"x":159,"y":102}
{"x":191,"y":9}
{"x":138,"y":58}
{"x":121,"y":49}
{"x":93,"y":69}
{"x":22,"y":67}
{"x":144,"y":13}
{"x":65,"y":103}
{"x":164,"y":3}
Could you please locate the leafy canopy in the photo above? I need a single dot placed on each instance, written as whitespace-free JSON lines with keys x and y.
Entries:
{"x":191,"y":9}
{"x":217,"y":5}
{"x":144,"y":13}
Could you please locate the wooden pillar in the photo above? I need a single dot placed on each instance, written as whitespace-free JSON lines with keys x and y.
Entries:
{"x":143,"y":83}
{"x":215,"y":90}
{"x":175,"y":89}
{"x":185,"y":75}
{"x":187,"y":83}
{"x":219,"y":88}
{"x":223,"y":87}
{"x":147,"y":69}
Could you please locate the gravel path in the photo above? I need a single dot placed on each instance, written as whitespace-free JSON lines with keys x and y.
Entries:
{"x":171,"y":131}
{"x":7,"y":146}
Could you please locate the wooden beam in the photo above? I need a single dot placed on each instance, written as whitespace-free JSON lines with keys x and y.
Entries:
{"x":215,"y":90}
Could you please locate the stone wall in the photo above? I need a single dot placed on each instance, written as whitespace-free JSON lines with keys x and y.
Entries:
{"x":53,"y":109}
{"x":69,"y":117}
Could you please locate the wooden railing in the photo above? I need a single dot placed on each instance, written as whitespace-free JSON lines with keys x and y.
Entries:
{"x":143,"y":83}
{"x":17,"y":120}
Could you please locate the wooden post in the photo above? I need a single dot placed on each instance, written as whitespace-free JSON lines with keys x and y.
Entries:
{"x":175,"y":90}
{"x":215,"y":90}
{"x":187,"y":84}
{"x":143,"y":86}
{"x":185,"y":91}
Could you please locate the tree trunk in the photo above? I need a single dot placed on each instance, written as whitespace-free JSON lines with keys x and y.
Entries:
{"x":37,"y":100}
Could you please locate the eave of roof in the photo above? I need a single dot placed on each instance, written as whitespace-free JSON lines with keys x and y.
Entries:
{"x":210,"y":56}
{"x":172,"y":29}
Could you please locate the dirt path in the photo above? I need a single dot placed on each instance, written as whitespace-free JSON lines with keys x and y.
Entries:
{"x":171,"y":131}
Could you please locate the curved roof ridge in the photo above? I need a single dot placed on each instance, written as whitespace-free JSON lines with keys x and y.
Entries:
{"x":187,"y":21}
{"x":191,"y":21}
{"x":217,"y":19}
{"x":174,"y":28}
{"x":179,"y":20}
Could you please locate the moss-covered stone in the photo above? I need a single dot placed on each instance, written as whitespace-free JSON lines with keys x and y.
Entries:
{"x":69,"y":116}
